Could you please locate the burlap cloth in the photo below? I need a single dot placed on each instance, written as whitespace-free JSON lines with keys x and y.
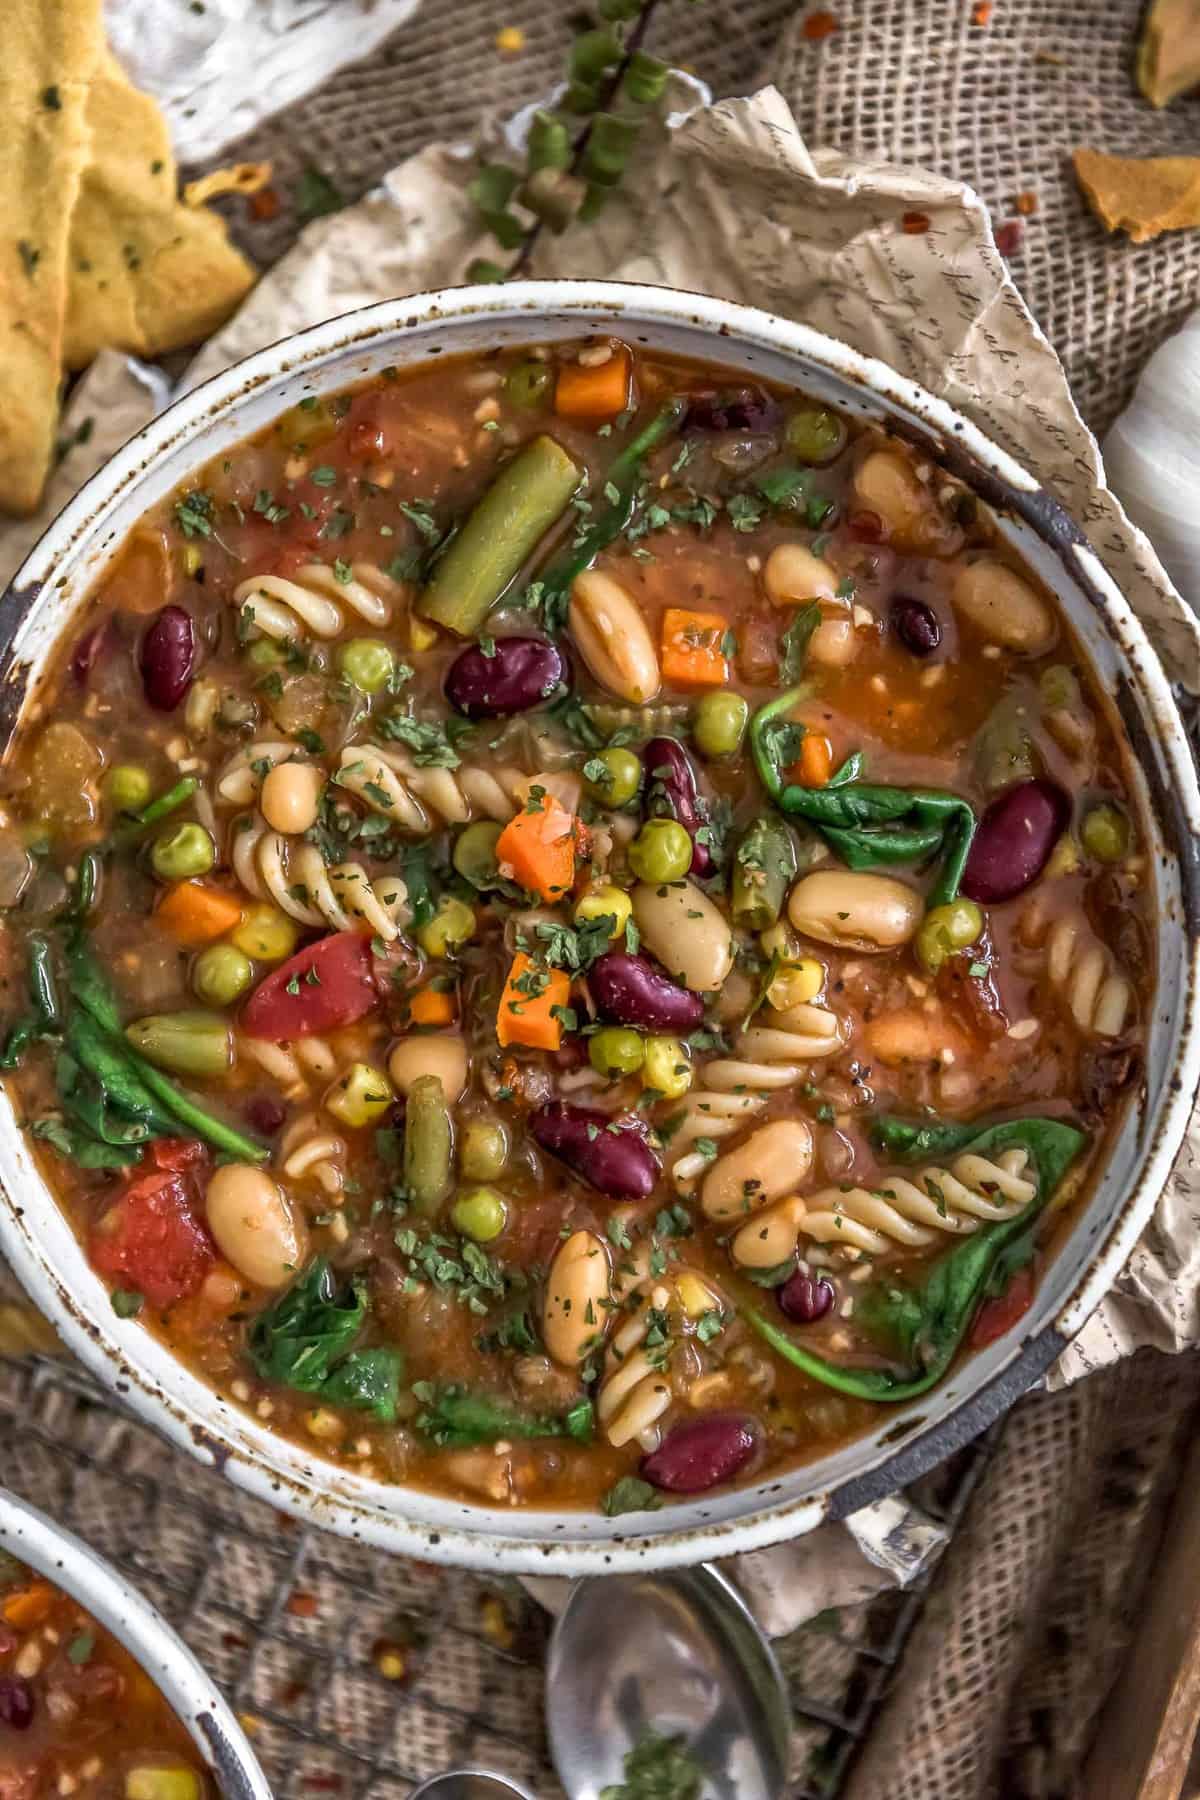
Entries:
{"x":1025,"y":1625}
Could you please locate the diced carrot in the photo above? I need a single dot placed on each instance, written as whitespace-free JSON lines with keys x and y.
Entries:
{"x":594,"y":392}
{"x":692,"y":652}
{"x":28,"y":1606}
{"x":537,"y":848}
{"x":195,"y":914}
{"x":527,"y":1014}
{"x":814,"y":765}
{"x":431,"y":1006}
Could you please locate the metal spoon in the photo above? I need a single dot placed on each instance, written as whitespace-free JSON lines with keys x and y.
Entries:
{"x":469,"y":1784}
{"x":678,"y":1654}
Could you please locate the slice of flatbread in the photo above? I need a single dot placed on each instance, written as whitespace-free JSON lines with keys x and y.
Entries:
{"x":1143,"y":195}
{"x":147,"y":273}
{"x":50,"y":49}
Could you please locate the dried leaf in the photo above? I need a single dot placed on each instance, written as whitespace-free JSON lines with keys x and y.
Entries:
{"x":1143,"y":195}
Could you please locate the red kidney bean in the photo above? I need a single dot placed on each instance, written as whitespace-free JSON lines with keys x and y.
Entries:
{"x":88,"y":651}
{"x":168,"y":658}
{"x":915,"y":624}
{"x":672,"y":792}
{"x":731,"y":409}
{"x":701,"y":1452}
{"x":630,"y":991}
{"x":1013,"y":842}
{"x":518,"y":673}
{"x":805,"y":1298}
{"x":16,"y":1703}
{"x":610,"y":1153}
{"x":265,"y":1115}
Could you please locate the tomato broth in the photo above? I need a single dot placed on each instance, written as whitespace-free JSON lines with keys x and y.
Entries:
{"x":573,"y":926}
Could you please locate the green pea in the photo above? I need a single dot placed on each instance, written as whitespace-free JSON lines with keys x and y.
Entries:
{"x":221,"y":974}
{"x":475,"y":853}
{"x":1105,"y":833}
{"x":265,"y":653}
{"x":613,"y":776}
{"x":1059,"y":687}
{"x":945,"y":929}
{"x":816,"y":435}
{"x":529,"y":384}
{"x":720,"y":724}
{"x":128,"y":786}
{"x":661,"y":851}
{"x":484,"y":1150}
{"x":181,"y":854}
{"x":480,"y":1214}
{"x":451,"y":925}
{"x":187,"y":1043}
{"x":367,"y":663}
{"x":616,"y":1051}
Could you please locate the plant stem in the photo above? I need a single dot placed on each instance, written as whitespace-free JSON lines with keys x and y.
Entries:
{"x":633,"y":44}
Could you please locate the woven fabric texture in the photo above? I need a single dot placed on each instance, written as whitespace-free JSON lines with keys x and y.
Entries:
{"x":1005,"y":1675}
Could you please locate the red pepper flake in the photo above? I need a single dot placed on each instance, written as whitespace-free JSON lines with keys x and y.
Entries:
{"x":981,"y":14}
{"x":914,"y":223}
{"x":302,"y":1605}
{"x":1009,"y":236}
{"x":819,"y":25}
{"x":1026,"y":203}
{"x":265,"y":204}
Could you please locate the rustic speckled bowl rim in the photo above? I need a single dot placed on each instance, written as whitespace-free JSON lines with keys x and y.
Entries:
{"x":74,"y":1566}
{"x":45,"y":1254}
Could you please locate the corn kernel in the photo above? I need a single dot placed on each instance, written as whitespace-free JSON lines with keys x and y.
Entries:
{"x":420,"y":635}
{"x":451,"y":925}
{"x":606,"y":902}
{"x":796,"y":984}
{"x":779,"y":940}
{"x":265,"y":933}
{"x":1064,"y":858}
{"x":510,"y":41}
{"x":666,"y":1067}
{"x":695,"y":1296}
{"x":324,"y":1423}
{"x":192,"y":559}
{"x":360,"y":1096}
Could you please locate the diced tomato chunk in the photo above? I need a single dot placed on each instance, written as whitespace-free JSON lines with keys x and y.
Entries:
{"x":327,"y":985}
{"x":152,"y":1237}
{"x":997,"y":1316}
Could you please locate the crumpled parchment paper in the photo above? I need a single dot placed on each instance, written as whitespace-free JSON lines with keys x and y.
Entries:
{"x":726,"y":198}
{"x":218,"y":68}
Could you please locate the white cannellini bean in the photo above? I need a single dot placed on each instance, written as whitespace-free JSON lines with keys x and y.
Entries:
{"x":855,"y":910}
{"x":887,"y":484}
{"x":254,"y":1225}
{"x":440,"y":1053}
{"x":575,"y":1313}
{"x":792,"y":575}
{"x":291,"y":797}
{"x":606,"y":624}
{"x":766,"y":1241}
{"x":772,"y":1160}
{"x":685,"y":931}
{"x":1003,"y":606}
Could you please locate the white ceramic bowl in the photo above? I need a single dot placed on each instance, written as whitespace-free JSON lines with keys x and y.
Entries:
{"x":192,"y":1696}
{"x":40,"y":1244}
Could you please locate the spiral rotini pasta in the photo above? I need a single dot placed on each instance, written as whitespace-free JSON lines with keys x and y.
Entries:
{"x":635,"y":1390}
{"x":391,"y":784}
{"x":1083,"y":972}
{"x":310,"y":1151}
{"x":766,"y":1056}
{"x":295,"y":876}
{"x":316,"y":600}
{"x":247,"y":769}
{"x":291,"y":1065}
{"x":903,"y":1212}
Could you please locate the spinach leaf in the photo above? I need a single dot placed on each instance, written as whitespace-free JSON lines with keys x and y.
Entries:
{"x":457,"y":1417}
{"x":79,"y":1147}
{"x":304,"y":1341}
{"x":630,"y":1494}
{"x":923,"y":1325}
{"x":794,"y":643}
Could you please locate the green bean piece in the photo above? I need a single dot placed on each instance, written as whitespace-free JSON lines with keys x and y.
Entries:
{"x":186,"y":1043}
{"x":501,"y":531}
{"x":529,"y":385}
{"x":428,"y":1145}
{"x":170,"y":802}
{"x":764,"y":866}
{"x":1004,"y":751}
